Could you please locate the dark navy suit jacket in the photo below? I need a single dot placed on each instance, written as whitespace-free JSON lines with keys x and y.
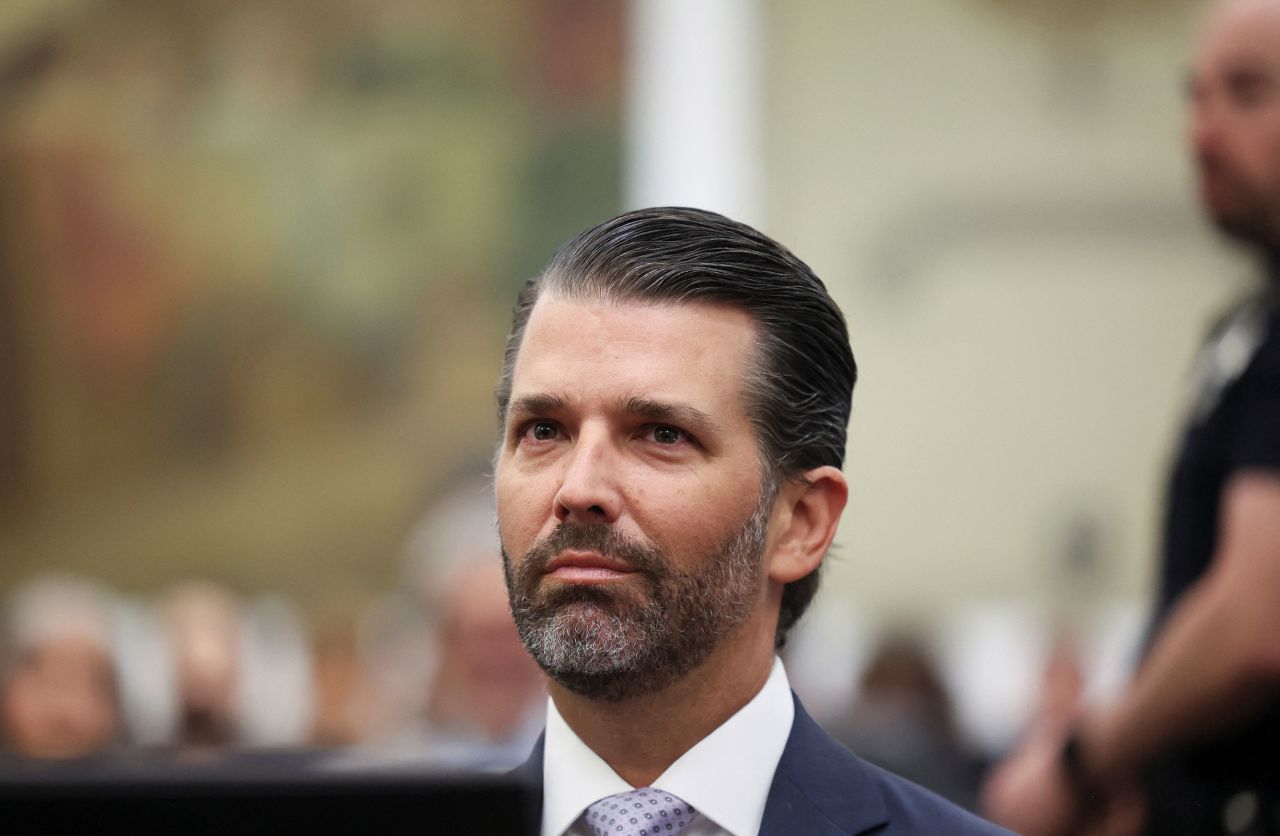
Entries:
{"x":820,"y":788}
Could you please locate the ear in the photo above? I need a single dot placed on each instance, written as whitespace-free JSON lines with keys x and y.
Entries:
{"x":807,"y":514}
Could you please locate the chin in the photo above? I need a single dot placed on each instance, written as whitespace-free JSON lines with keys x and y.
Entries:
{"x":1244,"y":231}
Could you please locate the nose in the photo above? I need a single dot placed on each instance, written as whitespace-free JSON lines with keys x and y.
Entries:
{"x":589,"y":491}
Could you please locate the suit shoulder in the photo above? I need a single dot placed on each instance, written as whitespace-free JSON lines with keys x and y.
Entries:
{"x":842,"y":793}
{"x":913,"y":809}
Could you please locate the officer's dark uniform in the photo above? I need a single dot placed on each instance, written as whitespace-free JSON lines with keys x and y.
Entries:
{"x":1231,"y":784}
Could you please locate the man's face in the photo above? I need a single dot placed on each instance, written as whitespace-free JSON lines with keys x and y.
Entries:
{"x":629,"y":492}
{"x":59,"y":700}
{"x":1235,"y":119}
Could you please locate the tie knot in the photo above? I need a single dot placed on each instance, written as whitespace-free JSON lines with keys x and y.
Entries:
{"x":641,"y":812}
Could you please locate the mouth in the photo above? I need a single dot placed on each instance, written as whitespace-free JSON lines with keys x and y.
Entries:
{"x":587,"y":568}
{"x":1218,"y":184}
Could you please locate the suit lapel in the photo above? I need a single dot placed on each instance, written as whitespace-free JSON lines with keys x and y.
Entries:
{"x":529,"y":774}
{"x":820,"y":787}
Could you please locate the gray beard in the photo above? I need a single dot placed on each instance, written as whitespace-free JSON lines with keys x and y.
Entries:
{"x":613,"y":644}
{"x":1256,"y":221}
{"x":1252,"y":231}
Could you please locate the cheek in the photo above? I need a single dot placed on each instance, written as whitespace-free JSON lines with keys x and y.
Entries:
{"x":696,"y":520}
{"x":29,"y":713}
{"x":519,"y":506}
{"x":1262,"y":154}
{"x":1271,"y":161}
{"x":12,"y":708}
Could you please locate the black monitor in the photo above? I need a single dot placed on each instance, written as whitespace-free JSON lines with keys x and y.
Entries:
{"x":277,"y":794}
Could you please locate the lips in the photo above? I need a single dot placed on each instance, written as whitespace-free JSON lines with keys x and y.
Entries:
{"x":587,"y":567}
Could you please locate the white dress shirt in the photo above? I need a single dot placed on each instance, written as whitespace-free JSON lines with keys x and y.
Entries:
{"x":725,"y":776}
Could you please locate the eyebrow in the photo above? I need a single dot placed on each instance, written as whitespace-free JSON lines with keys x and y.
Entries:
{"x":541,"y":403}
{"x":681,"y":414}
{"x":544,"y":403}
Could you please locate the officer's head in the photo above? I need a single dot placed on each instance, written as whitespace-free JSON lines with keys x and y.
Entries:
{"x":1235,"y":118}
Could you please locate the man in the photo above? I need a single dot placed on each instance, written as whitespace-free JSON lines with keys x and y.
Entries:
{"x":674,"y":403}
{"x":205,"y":627}
{"x":1200,"y":723}
{"x":480,"y":702}
{"x":58,"y":689}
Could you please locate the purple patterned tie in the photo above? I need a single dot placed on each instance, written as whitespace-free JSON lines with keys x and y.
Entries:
{"x":642,"y":812}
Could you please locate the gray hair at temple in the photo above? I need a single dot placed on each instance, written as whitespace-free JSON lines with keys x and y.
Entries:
{"x":800,"y":381}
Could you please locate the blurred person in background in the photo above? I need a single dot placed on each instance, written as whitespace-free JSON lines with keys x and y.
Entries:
{"x":483,"y":704}
{"x":343,"y":694}
{"x":203,"y":621}
{"x":58,"y":692}
{"x":243,"y":669}
{"x":478,"y":704}
{"x":1198,"y":728}
{"x":903,"y":720}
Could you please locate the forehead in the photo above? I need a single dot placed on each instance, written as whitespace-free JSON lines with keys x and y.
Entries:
{"x":1240,"y":32}
{"x":579,"y":348}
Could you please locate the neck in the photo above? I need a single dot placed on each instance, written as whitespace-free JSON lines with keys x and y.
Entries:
{"x":622,"y":732}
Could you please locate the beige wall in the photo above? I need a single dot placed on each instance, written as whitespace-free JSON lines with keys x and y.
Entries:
{"x":1001,"y":203}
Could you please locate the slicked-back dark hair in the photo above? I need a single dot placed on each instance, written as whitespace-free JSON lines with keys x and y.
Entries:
{"x":800,"y":381}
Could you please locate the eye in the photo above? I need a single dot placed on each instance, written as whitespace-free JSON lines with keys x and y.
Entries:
{"x":1248,"y":88}
{"x":542,"y":430}
{"x":535,"y":432}
{"x":668,"y":435}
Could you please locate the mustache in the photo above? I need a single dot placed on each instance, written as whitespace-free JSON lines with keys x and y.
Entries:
{"x":599,"y":538}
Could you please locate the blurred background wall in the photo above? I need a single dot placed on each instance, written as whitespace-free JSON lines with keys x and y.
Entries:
{"x":999,"y":192}
{"x":258,"y":260}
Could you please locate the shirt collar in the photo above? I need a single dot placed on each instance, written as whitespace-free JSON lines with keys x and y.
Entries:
{"x":725,"y":776}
